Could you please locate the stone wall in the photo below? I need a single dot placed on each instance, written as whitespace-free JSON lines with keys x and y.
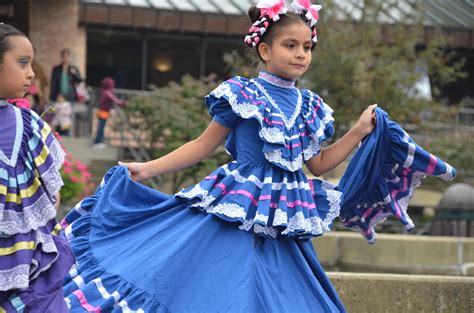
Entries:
{"x":53,"y":26}
{"x":388,"y":293}
{"x":404,"y":254}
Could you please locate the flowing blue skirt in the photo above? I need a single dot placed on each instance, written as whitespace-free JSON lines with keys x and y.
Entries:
{"x":140,"y":250}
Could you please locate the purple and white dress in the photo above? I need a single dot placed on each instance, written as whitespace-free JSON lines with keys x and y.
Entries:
{"x":34,"y":254}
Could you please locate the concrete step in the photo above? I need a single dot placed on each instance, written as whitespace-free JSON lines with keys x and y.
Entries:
{"x":98,"y":161}
{"x":389,"y":293}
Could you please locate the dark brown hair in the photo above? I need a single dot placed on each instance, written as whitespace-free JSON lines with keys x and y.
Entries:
{"x":272,"y":31}
{"x":5,"y":32}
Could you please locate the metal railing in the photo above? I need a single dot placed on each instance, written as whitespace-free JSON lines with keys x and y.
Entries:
{"x":127,"y":139}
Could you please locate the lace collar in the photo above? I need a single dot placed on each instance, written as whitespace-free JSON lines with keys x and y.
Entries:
{"x":276,"y":80}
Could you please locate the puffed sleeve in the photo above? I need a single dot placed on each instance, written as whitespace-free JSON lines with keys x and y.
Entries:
{"x":218,"y":102}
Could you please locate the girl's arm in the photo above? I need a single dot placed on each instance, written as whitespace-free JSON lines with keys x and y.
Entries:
{"x":114,"y":98}
{"x":333,"y":155}
{"x":185,"y":156}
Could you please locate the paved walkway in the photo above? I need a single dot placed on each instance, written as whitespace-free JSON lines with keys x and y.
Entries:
{"x":82,"y":150}
{"x":97,"y":160}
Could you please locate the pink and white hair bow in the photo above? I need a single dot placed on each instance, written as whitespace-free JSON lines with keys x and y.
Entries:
{"x":308,"y":12}
{"x":270,"y":11}
{"x":300,"y":6}
{"x":272,"y":8}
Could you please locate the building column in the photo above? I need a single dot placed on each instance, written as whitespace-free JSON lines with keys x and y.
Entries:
{"x":53,"y":26}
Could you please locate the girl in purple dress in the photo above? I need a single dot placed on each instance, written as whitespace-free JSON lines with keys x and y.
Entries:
{"x":34,"y":255}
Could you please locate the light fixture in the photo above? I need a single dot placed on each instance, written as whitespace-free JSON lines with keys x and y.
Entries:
{"x":162,"y":63}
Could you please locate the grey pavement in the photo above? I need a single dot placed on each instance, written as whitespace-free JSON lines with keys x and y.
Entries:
{"x":97,"y":160}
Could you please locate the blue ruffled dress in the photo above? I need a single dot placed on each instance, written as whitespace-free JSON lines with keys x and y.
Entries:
{"x":231,"y":243}
{"x":238,"y":240}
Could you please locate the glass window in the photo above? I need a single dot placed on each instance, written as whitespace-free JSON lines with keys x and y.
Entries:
{"x":139,"y":3}
{"x":244,"y":5}
{"x":206,"y":6}
{"x":169,"y":58}
{"x":114,"y":54}
{"x":161,"y":4}
{"x":183,"y":5}
{"x":228,"y":8}
{"x":215,"y":49}
{"x":120,"y":2}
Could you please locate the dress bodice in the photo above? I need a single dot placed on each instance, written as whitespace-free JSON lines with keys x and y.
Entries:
{"x":29,"y":172}
{"x":275,"y":128}
{"x":290,"y":123}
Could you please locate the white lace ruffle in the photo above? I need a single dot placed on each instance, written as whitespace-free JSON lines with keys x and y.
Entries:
{"x":324,"y":122}
{"x":276,"y":157}
{"x":47,"y":246}
{"x":297,"y":223}
{"x":231,"y":210}
{"x":272,"y":135}
{"x":15,"y":278}
{"x":196,"y":191}
{"x":20,"y":276}
{"x":57,"y":153}
{"x":30,"y":218}
{"x":313,"y":225}
{"x":52,"y":181}
{"x":448,"y":175}
{"x":334,"y":198}
{"x":269,"y":231}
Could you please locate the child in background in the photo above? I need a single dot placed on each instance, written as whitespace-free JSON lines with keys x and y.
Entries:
{"x":62,"y":120}
{"x":34,"y":254}
{"x":107,"y":100}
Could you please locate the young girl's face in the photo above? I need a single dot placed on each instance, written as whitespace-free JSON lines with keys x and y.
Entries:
{"x":289,"y":55}
{"x":16,"y":73}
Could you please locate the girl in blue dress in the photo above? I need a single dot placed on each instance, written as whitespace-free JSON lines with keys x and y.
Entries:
{"x":238,"y":240}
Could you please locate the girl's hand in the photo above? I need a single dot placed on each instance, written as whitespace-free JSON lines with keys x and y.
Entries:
{"x":137,"y":170}
{"x":366,"y":123}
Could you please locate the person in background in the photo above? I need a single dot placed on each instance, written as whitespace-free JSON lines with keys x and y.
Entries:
{"x":107,"y":100}
{"x":62,"y":119}
{"x":64,"y":79}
